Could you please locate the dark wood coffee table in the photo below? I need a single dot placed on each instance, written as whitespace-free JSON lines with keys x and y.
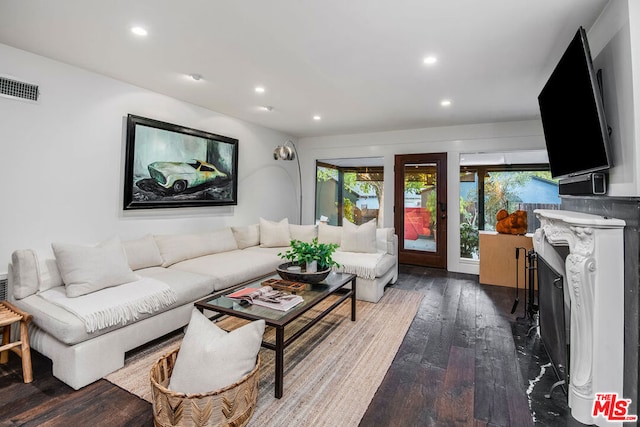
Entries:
{"x":315,"y":294}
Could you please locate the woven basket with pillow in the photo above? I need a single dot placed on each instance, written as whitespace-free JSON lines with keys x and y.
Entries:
{"x":229,"y":406}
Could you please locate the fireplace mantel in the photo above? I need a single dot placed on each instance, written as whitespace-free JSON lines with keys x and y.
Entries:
{"x":594,"y":274}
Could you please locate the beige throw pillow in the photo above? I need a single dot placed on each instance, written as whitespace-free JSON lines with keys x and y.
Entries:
{"x":247,"y":236}
{"x":304,"y":233}
{"x":274,"y":234}
{"x":89,"y":269}
{"x":142,"y":253}
{"x":358,"y":238}
{"x":329,"y":234}
{"x":210,"y":358}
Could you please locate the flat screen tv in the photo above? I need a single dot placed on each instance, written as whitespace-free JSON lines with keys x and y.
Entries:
{"x":572,"y":112}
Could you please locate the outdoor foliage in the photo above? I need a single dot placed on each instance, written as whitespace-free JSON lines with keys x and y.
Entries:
{"x":469,"y":238}
{"x":501,"y":192}
{"x":349,"y":208}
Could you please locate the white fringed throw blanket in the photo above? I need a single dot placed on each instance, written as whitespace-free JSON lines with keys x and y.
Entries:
{"x":116,"y":305}
{"x":361,"y":264}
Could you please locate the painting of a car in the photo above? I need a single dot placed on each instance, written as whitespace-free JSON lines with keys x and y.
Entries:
{"x":179,"y":176}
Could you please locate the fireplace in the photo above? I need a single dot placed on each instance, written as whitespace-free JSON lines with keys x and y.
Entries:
{"x":554,"y":310}
{"x":586,"y":250}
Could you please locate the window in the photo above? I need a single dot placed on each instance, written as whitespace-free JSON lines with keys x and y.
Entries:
{"x":352,"y":192}
{"x":484,"y":190}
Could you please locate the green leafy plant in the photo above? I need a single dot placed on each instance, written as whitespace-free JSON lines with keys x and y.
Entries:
{"x":469,"y":238}
{"x":301,"y":253}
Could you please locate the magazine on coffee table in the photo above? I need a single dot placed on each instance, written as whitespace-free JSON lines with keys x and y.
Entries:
{"x":266,"y":296}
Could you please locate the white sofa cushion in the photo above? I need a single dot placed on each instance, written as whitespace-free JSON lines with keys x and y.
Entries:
{"x":329,"y":234}
{"x":179,"y":247}
{"x":231,"y":268}
{"x":210,"y":358}
{"x":247,"y":236}
{"x":304,"y":233}
{"x":274,"y":234}
{"x":358,"y":238}
{"x":24,"y":273}
{"x":385,"y":239}
{"x":142,"y":252}
{"x":69,"y":329}
{"x":88,"y":269}
{"x":29,"y":274}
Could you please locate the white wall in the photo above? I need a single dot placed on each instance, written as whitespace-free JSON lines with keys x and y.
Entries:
{"x":512,"y":136}
{"x":614,"y":40}
{"x":62,"y":161}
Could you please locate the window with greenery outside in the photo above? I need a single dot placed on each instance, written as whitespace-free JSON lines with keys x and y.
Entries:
{"x":355,"y":193}
{"x":501,"y":187}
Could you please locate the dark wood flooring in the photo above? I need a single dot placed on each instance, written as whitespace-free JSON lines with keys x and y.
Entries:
{"x":457,"y":366}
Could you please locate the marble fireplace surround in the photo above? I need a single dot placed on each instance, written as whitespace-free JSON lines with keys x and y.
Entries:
{"x":594,"y":278}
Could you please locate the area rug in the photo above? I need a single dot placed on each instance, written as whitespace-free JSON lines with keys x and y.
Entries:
{"x":331,"y":372}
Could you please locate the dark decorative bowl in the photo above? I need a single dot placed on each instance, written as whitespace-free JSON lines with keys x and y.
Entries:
{"x":301,"y":276}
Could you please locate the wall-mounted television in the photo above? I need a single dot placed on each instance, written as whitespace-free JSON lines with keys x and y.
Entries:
{"x":572,"y":112}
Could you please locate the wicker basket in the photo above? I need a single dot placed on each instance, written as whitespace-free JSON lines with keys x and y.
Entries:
{"x":229,"y":406}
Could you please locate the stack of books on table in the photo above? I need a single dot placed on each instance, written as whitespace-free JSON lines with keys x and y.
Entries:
{"x":266,"y":296}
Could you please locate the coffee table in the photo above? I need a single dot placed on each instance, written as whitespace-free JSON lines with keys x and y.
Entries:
{"x":333,"y":284}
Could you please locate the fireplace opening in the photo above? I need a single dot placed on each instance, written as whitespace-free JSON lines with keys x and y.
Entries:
{"x":553,"y":318}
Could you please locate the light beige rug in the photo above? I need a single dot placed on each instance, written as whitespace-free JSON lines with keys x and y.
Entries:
{"x":331,"y":373}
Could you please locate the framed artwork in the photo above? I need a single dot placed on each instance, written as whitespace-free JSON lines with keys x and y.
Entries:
{"x":171,"y":166}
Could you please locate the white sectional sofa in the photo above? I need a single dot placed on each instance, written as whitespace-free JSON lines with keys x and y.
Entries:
{"x":190,"y":266}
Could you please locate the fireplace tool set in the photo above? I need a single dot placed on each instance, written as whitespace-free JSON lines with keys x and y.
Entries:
{"x":529,"y":267}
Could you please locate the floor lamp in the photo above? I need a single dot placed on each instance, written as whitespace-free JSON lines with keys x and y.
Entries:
{"x":287,"y":151}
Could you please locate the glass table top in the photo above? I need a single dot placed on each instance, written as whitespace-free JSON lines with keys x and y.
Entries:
{"x":311,"y":295}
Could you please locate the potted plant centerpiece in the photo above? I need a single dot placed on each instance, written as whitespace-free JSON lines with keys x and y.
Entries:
{"x":308,"y":262}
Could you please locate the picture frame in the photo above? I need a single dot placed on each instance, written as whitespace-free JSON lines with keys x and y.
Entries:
{"x":172,"y":166}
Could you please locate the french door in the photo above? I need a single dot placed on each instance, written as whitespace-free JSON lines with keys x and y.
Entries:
{"x":420,"y":208}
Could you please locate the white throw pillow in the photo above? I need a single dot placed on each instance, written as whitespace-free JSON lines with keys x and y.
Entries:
{"x":247,"y":236}
{"x":274,"y":234}
{"x":358,"y":238}
{"x":210,"y":358}
{"x":142,"y":253}
{"x":329,"y":234}
{"x":89,"y":269}
{"x":304,"y":233}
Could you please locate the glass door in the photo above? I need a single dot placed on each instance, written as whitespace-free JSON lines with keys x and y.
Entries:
{"x":421,"y":209}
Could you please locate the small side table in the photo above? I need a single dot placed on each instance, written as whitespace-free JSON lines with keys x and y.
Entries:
{"x":9,"y":315}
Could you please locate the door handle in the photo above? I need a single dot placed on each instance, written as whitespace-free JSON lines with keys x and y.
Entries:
{"x":443,"y":209}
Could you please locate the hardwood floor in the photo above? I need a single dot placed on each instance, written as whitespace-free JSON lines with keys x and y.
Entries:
{"x":457,"y":366}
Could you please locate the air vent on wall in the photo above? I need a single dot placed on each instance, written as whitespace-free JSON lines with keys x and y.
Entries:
{"x":3,"y":289}
{"x":15,"y":89}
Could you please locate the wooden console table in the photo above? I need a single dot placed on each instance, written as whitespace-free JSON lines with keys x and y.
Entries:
{"x":498,"y":258}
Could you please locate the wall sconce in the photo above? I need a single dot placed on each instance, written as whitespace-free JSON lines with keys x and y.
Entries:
{"x":287,"y":151}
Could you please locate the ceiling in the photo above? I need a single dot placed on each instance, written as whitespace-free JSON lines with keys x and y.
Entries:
{"x":358,"y":64}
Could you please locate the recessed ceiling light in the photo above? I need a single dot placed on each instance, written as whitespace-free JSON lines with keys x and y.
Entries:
{"x":317,"y":118}
{"x":445,"y":102}
{"x":267,"y":108}
{"x":430,"y":60}
{"x":259,"y":89}
{"x":139,"y":31}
